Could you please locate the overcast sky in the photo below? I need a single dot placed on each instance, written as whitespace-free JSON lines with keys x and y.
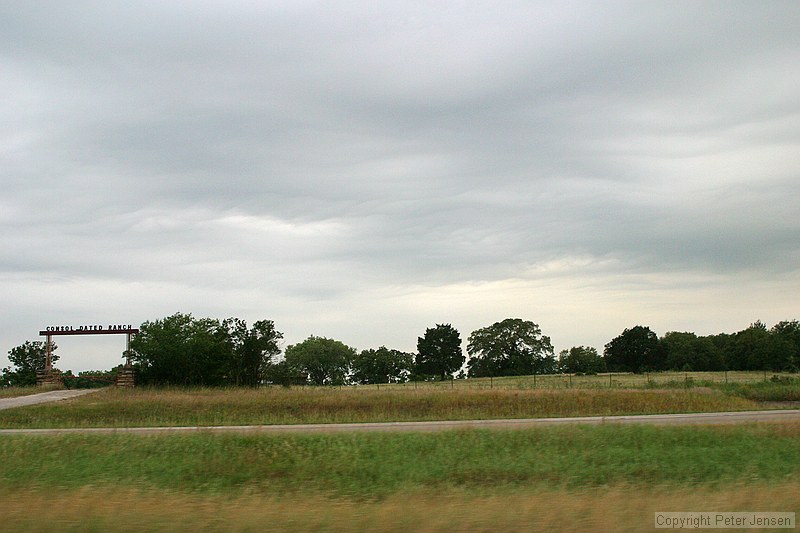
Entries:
{"x":366,"y":170}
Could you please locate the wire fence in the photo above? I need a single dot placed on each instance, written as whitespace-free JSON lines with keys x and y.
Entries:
{"x":595,"y":381}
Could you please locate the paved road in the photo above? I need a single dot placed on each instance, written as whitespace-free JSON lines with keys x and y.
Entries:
{"x":42,"y":397}
{"x":787,"y":415}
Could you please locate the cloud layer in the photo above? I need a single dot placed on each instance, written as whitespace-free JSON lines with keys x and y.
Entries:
{"x":364,"y":171}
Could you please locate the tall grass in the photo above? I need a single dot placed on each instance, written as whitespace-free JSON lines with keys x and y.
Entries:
{"x":777,"y":389}
{"x":597,"y":381}
{"x":614,"y":508}
{"x":378,"y":465}
{"x":192,"y":407}
{"x":11,"y":392}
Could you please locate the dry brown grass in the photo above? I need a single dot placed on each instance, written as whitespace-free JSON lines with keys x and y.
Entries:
{"x":616,"y":508}
{"x":11,"y":392}
{"x":211,"y":407}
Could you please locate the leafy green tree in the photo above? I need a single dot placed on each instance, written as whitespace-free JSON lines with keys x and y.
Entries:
{"x":325,"y":361}
{"x":636,"y":350}
{"x":512,"y":347}
{"x":90,"y":379}
{"x":252,"y":350}
{"x":580,"y":360}
{"x":751,"y":349}
{"x":183,"y":350}
{"x":687,"y":351}
{"x":27,"y":358}
{"x":722,"y":343}
{"x":439,"y":352}
{"x":281,"y":373}
{"x":382,"y":366}
{"x":787,"y":336}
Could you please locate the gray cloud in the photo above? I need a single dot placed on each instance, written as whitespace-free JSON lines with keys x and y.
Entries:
{"x":315,"y":153}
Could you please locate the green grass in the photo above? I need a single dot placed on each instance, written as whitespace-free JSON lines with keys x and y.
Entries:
{"x":598,"y":381}
{"x":114,"y":407}
{"x":766,"y":392}
{"x":369,"y":466}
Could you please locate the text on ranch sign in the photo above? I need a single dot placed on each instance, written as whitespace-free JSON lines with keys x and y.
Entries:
{"x":88,"y":330}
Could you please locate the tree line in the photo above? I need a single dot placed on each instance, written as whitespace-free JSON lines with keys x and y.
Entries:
{"x":184,"y":350}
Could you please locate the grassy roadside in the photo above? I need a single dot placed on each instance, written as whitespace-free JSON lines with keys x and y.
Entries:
{"x":614,"y":508}
{"x":12,"y":392}
{"x":378,"y":465}
{"x":114,"y":407}
{"x":578,"y":478}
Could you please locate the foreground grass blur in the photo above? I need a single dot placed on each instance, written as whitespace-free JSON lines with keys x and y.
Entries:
{"x":581,"y":478}
{"x":115,"y":407}
{"x":378,"y":465}
{"x":613,"y":508}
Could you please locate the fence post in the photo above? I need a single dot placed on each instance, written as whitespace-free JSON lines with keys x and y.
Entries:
{"x":726,"y":377}
{"x":609,"y":380}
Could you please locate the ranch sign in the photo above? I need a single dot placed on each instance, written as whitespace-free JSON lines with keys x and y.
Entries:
{"x":88,"y":330}
{"x":92,"y":329}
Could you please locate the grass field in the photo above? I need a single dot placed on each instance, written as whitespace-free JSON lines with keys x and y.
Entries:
{"x":113,"y":407}
{"x":612,"y":509}
{"x":576,"y":478}
{"x":597,"y":381}
{"x":567,"y":478}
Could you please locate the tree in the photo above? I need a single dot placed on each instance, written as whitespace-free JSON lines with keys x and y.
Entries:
{"x":513,"y":347}
{"x":636,"y":350}
{"x":787,"y":335}
{"x":183,"y":350}
{"x":27,"y":358}
{"x":280,"y":373}
{"x":325,"y":361}
{"x":580,"y":360}
{"x":686,"y":351}
{"x":750,"y":349}
{"x":252,"y":350}
{"x":439,"y":352}
{"x":382,"y":366}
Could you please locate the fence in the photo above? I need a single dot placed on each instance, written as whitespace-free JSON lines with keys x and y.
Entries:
{"x":598,"y":381}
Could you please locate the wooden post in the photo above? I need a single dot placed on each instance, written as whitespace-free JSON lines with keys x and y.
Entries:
{"x":128,"y":350}
{"x":48,"y":360}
